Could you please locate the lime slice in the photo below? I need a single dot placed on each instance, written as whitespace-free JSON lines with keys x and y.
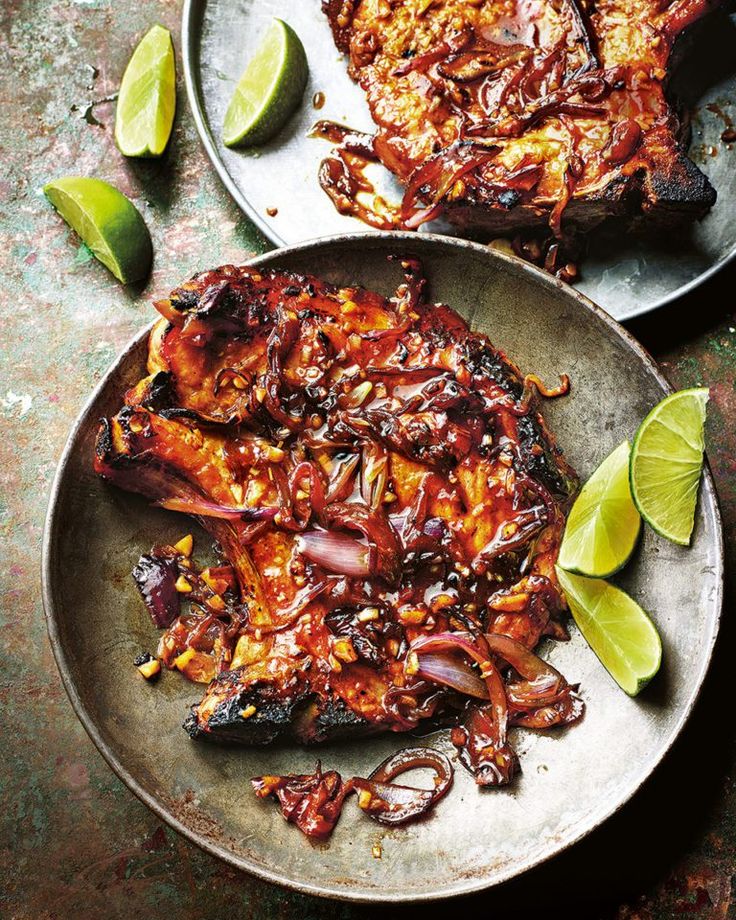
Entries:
{"x":107,"y":222}
{"x":667,"y":461}
{"x":147,"y":97}
{"x":604,"y":525}
{"x":270,"y":89}
{"x":616,"y":628}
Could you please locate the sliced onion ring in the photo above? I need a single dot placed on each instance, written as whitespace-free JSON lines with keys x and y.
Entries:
{"x":393,"y":803}
{"x":451,"y":671}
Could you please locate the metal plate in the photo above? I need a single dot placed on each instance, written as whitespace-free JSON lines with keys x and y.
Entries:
{"x":571,"y":781}
{"x":626,"y":277}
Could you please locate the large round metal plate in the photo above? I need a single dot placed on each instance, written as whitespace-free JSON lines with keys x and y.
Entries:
{"x":572,"y":779}
{"x":625,"y":276}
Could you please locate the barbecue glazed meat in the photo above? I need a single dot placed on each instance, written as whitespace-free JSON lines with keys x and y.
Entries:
{"x":376,"y":475}
{"x":505,"y":114}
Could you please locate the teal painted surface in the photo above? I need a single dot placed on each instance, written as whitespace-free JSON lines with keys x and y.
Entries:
{"x":73,"y":841}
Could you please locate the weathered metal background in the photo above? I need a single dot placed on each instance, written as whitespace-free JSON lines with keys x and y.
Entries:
{"x":73,"y":841}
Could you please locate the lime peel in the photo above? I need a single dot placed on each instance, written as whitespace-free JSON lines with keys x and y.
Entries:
{"x":108,"y":223}
{"x":270,"y":89}
{"x":618,"y":630}
{"x":667,"y":463}
{"x":603,"y":526}
{"x":147,"y":99}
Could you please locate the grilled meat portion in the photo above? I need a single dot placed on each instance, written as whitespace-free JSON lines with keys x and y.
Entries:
{"x":503,"y":114}
{"x":373,"y":473}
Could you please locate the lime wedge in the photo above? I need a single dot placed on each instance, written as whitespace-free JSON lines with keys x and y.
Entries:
{"x":147,"y":97}
{"x":270,"y":89}
{"x":667,"y":461}
{"x":107,"y":222}
{"x":604,"y":525}
{"x":616,"y":628}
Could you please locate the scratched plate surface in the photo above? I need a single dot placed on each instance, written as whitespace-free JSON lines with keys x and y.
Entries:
{"x":625,"y":277}
{"x":571,"y":780}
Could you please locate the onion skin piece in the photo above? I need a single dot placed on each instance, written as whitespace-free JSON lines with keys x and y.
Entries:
{"x":155,"y":576}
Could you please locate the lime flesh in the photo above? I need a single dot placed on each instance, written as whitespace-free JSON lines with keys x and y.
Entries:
{"x":147,"y":97}
{"x":270,"y":89}
{"x":667,"y":462}
{"x":604,"y":525}
{"x":616,"y":628}
{"x":108,"y":223}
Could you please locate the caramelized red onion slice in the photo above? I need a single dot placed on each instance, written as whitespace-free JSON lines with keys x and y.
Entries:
{"x":414,"y":759}
{"x":564,"y":710}
{"x":155,"y":576}
{"x":385,"y":559}
{"x":393,"y":803}
{"x":438,"y":174}
{"x":204,"y":508}
{"x":314,"y":801}
{"x":283,"y":337}
{"x":423,"y":61}
{"x":548,"y":392}
{"x":541,"y":699}
{"x":453,"y":642}
{"x":336,"y":552}
{"x":451,"y":671}
{"x":483,"y":745}
{"x":436,"y":659}
{"x":528,"y":665}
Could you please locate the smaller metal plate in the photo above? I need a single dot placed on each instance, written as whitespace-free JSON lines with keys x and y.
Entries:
{"x":626,"y":277}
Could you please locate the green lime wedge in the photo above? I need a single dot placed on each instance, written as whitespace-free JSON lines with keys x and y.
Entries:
{"x":147,"y":97}
{"x":667,"y":461}
{"x":107,"y":222}
{"x":616,"y":628}
{"x":270,"y":89}
{"x":604,"y":525}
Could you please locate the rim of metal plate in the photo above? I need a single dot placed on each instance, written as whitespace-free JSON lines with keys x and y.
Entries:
{"x":192,"y":15}
{"x":204,"y":842}
{"x":190,"y":34}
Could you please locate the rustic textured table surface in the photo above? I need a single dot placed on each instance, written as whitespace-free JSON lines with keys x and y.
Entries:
{"x":73,"y":841}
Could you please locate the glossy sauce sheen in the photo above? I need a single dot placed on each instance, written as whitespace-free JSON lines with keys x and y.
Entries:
{"x":300,"y":409}
{"x":501,"y":113}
